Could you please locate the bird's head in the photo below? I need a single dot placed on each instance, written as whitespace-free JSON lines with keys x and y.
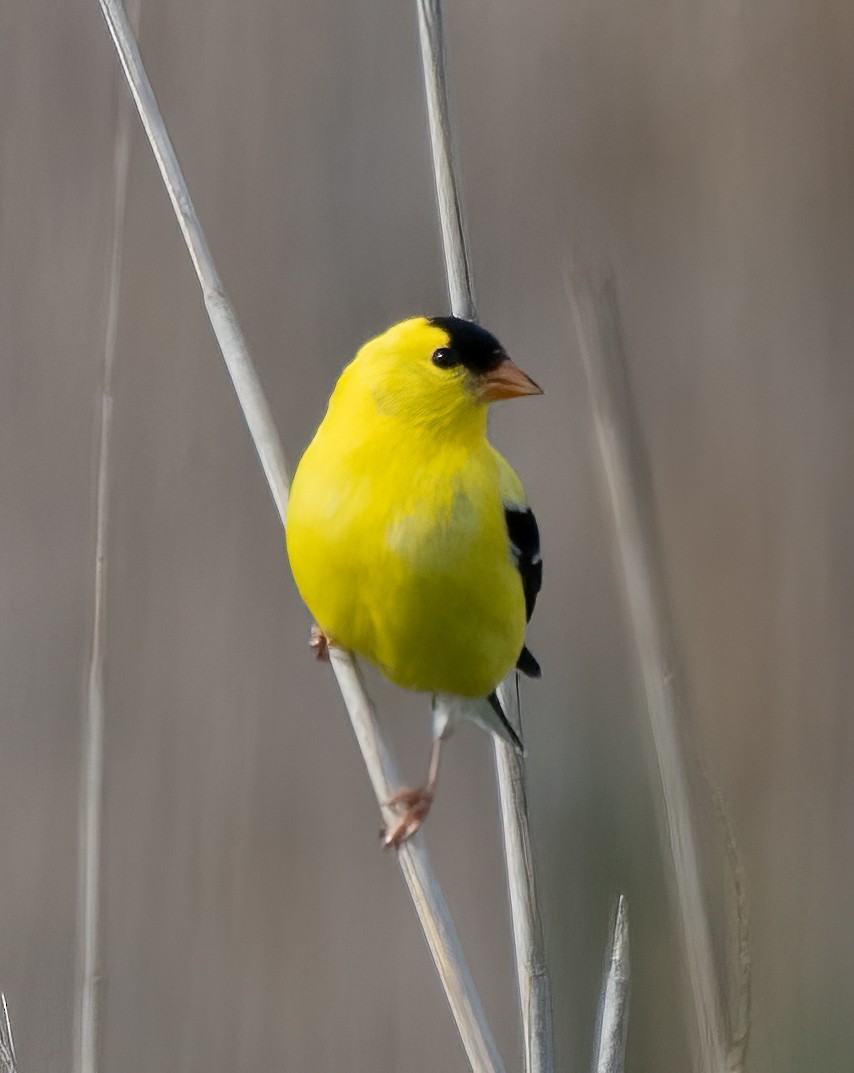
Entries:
{"x":438,"y":372}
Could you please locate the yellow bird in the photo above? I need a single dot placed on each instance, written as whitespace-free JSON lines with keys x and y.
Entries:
{"x":409,"y":536}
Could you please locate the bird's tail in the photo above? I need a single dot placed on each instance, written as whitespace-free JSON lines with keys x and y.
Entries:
{"x":449,"y":710}
{"x":508,"y":732}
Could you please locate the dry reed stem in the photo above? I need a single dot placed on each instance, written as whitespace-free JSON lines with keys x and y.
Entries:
{"x":531,"y":967}
{"x":614,"y":1008}
{"x":88,"y":969}
{"x":629,"y":490}
{"x":8,"y":1058}
{"x":457,"y":269}
{"x":414,"y":860}
{"x":741,"y":967}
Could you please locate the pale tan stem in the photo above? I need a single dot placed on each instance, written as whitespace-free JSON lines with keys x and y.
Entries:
{"x":8,"y":1058}
{"x":89,"y":972}
{"x":531,"y":968}
{"x":628,"y":485}
{"x":614,"y":1008}
{"x":414,"y":861}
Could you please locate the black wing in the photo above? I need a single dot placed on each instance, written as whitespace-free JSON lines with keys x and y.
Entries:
{"x":525,"y":547}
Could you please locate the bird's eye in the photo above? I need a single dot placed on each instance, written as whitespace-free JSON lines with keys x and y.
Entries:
{"x":445,"y":358}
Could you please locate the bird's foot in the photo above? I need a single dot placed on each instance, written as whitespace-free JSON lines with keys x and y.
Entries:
{"x":415,"y":805}
{"x":319,"y":642}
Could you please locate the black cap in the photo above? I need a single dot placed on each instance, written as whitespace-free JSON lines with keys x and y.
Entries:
{"x":473,"y":347}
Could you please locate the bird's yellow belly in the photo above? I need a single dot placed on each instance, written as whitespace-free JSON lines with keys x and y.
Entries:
{"x":425,"y":590}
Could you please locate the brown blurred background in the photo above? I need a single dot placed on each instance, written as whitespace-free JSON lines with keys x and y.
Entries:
{"x":252,"y":923}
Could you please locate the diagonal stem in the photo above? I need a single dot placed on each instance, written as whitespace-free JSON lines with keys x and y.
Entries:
{"x":415,"y":864}
{"x":8,"y":1058}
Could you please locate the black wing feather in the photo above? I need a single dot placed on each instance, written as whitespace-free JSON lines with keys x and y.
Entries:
{"x":524,"y":537}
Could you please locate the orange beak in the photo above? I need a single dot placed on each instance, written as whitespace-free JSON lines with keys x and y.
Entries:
{"x":506,"y":381}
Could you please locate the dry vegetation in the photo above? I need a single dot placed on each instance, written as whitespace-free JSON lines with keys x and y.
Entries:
{"x":701,"y":155}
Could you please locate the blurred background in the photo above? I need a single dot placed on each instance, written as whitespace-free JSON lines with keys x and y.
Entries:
{"x":251,"y":921}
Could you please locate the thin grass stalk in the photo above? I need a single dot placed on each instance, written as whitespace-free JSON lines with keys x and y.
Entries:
{"x":415,"y":863}
{"x":741,"y":966}
{"x":88,"y":969}
{"x":743,"y":977}
{"x":613,"y":1026}
{"x":253,"y":403}
{"x":8,"y":1058}
{"x":436,"y":921}
{"x":457,"y":268}
{"x":629,"y":489}
{"x":531,"y":967}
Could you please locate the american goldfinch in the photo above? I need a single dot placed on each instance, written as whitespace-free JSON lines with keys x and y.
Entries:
{"x":409,"y":536}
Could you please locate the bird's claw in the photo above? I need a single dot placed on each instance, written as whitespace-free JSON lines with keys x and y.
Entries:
{"x":319,"y":642}
{"x":415,"y":804}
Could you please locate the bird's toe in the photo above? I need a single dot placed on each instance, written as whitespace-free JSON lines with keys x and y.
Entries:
{"x":319,"y":642}
{"x":415,"y":805}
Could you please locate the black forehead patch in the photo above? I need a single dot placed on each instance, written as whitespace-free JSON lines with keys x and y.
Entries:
{"x":475,"y":347}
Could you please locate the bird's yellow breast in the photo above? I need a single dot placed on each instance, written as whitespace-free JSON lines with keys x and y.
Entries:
{"x":398,"y":545}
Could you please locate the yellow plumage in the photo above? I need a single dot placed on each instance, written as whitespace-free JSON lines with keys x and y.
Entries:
{"x":396,"y":528}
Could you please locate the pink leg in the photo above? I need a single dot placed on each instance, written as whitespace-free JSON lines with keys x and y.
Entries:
{"x":415,"y":803}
